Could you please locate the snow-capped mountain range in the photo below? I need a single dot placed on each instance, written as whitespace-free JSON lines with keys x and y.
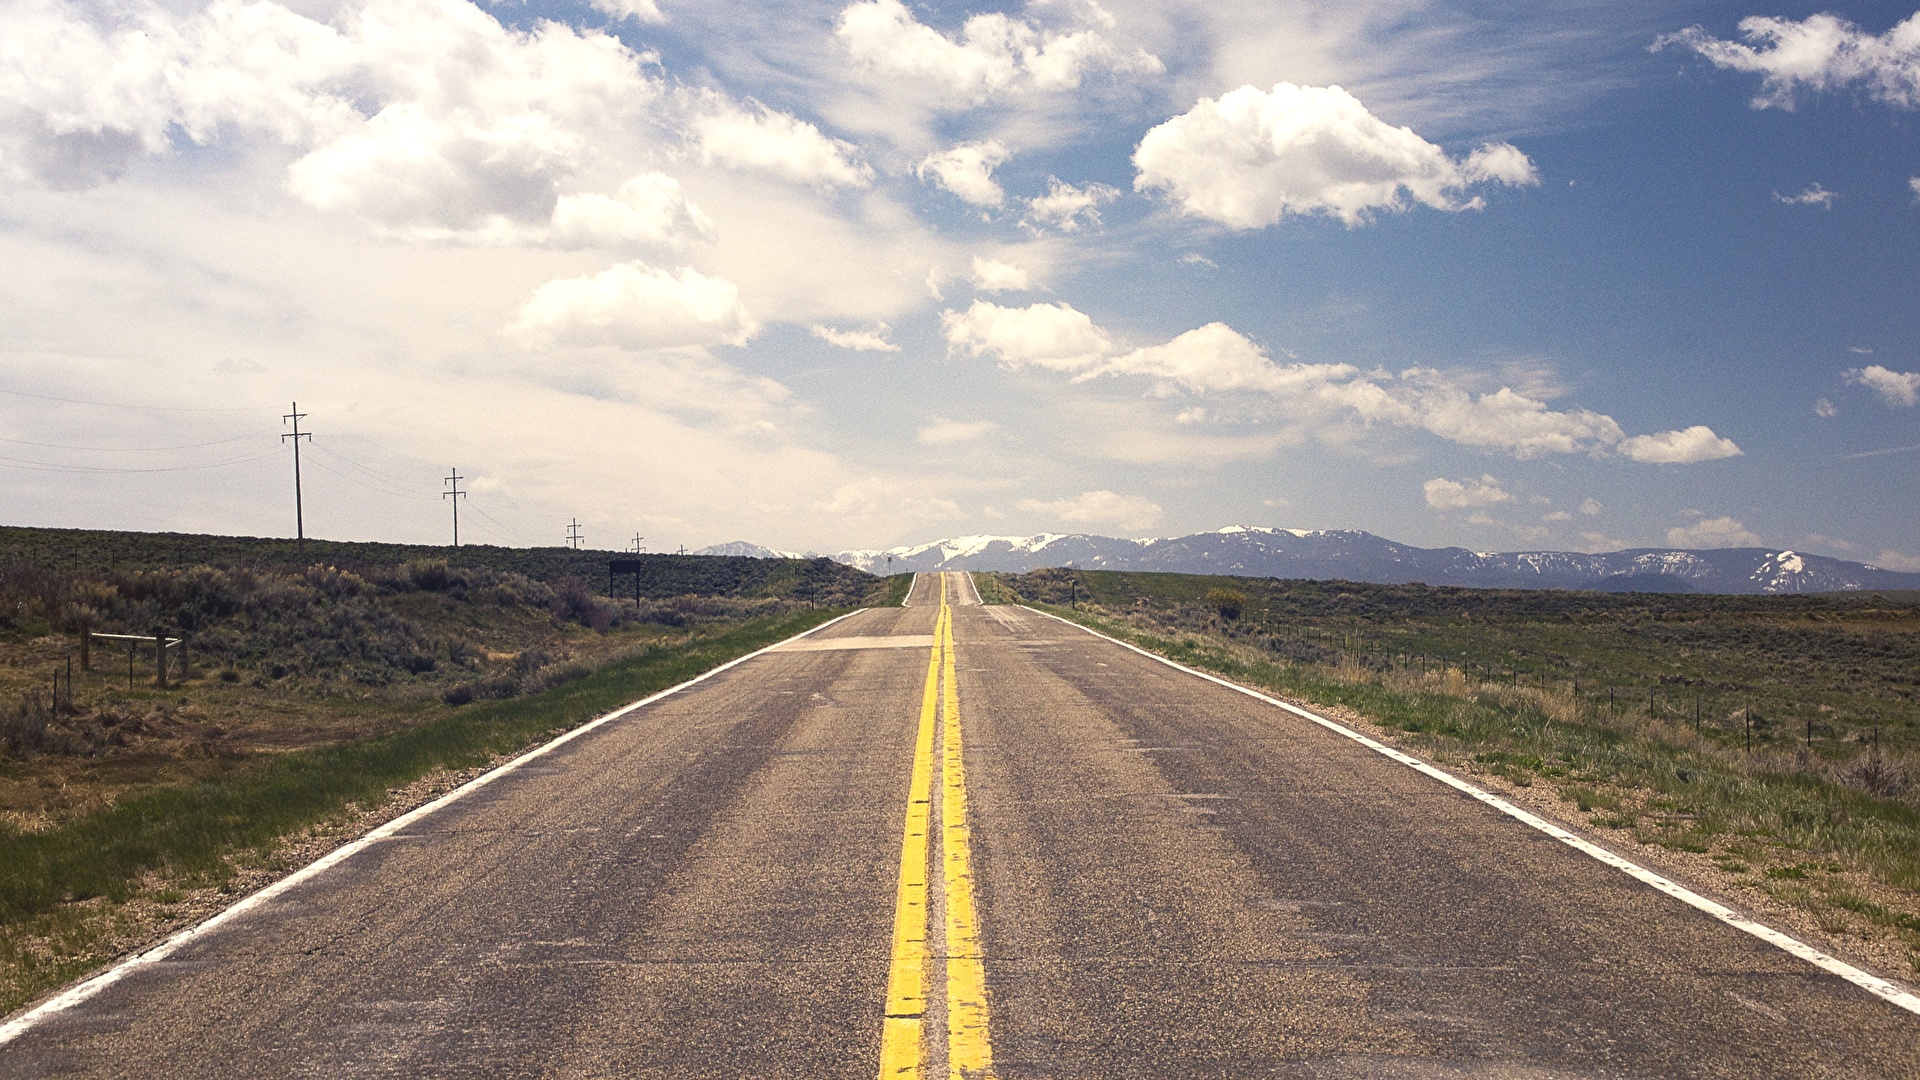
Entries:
{"x":1347,"y":554}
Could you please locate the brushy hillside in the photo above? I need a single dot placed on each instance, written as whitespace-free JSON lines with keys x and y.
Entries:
{"x":95,"y":552}
{"x":284,"y":653}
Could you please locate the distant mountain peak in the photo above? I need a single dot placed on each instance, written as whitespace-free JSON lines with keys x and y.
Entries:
{"x":1353,"y":555}
{"x":749,"y":550}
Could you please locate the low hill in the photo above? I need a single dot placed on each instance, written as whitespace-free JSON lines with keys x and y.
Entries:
{"x":95,"y":551}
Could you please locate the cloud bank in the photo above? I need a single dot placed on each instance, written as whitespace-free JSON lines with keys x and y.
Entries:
{"x":636,"y":306}
{"x":994,"y":54}
{"x":1216,"y":359}
{"x":1099,"y":508}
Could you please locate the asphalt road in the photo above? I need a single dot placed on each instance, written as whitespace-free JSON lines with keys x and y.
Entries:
{"x":1166,"y":878}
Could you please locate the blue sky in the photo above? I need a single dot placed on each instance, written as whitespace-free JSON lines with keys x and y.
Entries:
{"x":860,"y":274}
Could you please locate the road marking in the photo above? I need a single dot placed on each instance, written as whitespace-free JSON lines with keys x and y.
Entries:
{"x":21,"y":1024}
{"x":889,"y":641}
{"x":1873,"y":984}
{"x":901,"y":1050}
{"x":903,"y":1029}
{"x":969,"y":1049}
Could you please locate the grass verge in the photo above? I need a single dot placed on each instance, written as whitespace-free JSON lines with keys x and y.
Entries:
{"x":192,"y":835}
{"x":897,"y":588}
{"x":1847,"y":859}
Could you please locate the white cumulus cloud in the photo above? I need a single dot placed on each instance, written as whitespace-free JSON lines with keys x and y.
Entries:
{"x":1697,"y":443}
{"x":1067,"y":208}
{"x":1720,"y":532}
{"x":646,"y":11}
{"x":636,"y":306}
{"x":992,"y":275}
{"x":874,"y":340}
{"x":647,"y":209}
{"x":756,"y":137}
{"x":1506,"y":419}
{"x":1894,"y":387}
{"x":939,"y":431}
{"x":1819,"y":53}
{"x":1099,"y":508}
{"x":1053,"y":336}
{"x":1251,"y":157}
{"x":1444,"y":494}
{"x":994,"y":53}
{"x":1814,"y":195}
{"x":966,"y":170}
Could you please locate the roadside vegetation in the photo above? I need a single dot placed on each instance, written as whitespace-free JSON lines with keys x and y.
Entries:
{"x":1771,"y":738}
{"x":311,"y":691}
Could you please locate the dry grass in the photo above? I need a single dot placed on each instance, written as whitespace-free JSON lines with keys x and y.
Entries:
{"x":1833,"y":838}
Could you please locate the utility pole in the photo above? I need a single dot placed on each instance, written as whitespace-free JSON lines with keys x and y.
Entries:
{"x":573,"y":535}
{"x":636,"y":543}
{"x":299,"y":513}
{"x":456,"y":495}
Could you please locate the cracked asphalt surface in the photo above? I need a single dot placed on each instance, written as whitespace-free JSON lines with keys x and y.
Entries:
{"x":1173,"y":880}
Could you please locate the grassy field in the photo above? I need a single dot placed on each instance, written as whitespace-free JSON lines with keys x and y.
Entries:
{"x":1634,"y":710}
{"x":310,"y":688}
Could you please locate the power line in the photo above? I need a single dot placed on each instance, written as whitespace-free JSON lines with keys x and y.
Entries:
{"x":378,"y":445}
{"x":137,"y":449}
{"x":120,"y":405}
{"x":410,"y":486}
{"x":368,"y":469}
{"x":507,"y":531}
{"x":54,"y":466}
{"x":499,"y":538}
{"x":383,"y":489}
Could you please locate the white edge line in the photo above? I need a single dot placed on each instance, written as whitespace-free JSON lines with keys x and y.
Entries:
{"x":67,"y":999}
{"x":911,"y":585}
{"x":1873,"y":984}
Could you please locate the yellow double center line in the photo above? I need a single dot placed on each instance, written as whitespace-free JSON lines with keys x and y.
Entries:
{"x":903,"y":1036}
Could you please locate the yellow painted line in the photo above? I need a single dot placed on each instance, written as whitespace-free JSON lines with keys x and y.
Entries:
{"x":969,"y":1048}
{"x":903,"y":1031}
{"x":902,"y":1051}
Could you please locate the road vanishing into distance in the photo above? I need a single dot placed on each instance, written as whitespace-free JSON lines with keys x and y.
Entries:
{"x":785,"y":871}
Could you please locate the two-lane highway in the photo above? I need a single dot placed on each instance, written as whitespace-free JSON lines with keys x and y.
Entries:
{"x":951,"y":839}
